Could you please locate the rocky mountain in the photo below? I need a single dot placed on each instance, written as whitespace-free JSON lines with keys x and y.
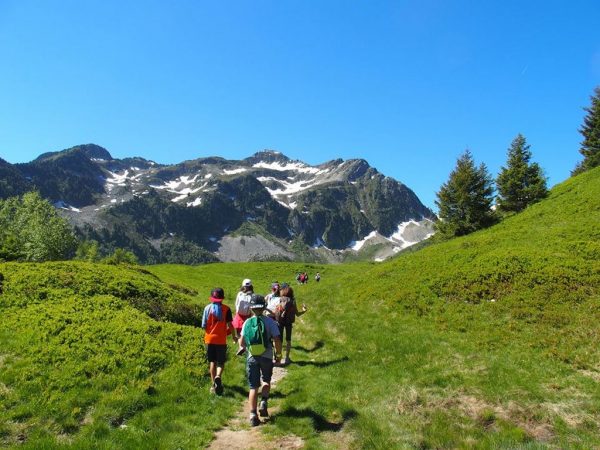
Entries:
{"x":263,"y":207}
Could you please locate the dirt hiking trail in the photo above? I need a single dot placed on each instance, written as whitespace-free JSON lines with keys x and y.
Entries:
{"x":238,"y":434}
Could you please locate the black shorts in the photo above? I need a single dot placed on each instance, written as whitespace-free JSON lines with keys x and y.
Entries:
{"x":288,"y":332}
{"x":216,"y":353}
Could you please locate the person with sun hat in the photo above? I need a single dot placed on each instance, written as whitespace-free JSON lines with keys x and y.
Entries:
{"x":217,"y":323}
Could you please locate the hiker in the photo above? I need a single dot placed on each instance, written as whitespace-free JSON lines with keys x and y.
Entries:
{"x":217,"y":323}
{"x":285,"y":315}
{"x":318,"y":277}
{"x":242,"y":304}
{"x":257,"y":334}
{"x":272,"y":300}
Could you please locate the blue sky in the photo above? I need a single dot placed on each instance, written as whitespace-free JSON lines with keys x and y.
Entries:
{"x":406,"y":85}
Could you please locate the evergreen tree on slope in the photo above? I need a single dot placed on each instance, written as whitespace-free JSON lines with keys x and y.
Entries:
{"x":590,"y":130}
{"x":520,"y":183}
{"x":465,"y":200}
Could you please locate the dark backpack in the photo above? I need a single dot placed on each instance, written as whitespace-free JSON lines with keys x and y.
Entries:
{"x":285,"y":312}
{"x":255,"y":336}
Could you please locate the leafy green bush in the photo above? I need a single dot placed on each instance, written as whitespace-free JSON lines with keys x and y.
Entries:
{"x":32,"y":230}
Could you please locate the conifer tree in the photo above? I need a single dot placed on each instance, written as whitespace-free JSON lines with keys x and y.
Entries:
{"x":590,"y":130}
{"x":520,"y":183}
{"x":465,"y":200}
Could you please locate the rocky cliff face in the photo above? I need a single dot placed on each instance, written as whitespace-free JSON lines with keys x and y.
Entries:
{"x":291,"y":210}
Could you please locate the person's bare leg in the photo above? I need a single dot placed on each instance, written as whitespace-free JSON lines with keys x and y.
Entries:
{"x":288,"y":349}
{"x":263,"y":407}
{"x":212,"y":368}
{"x":252,"y":400}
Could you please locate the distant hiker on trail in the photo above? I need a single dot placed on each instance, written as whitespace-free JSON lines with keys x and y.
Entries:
{"x":242,"y":305}
{"x":318,"y":277}
{"x":272,"y":299}
{"x":285,"y":315}
{"x":257,"y":333}
{"x":217,"y":323}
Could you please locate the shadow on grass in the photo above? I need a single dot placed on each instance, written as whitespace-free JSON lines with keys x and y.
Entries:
{"x":314,"y":348}
{"x":230,"y":391}
{"x":233,"y":391}
{"x":320,"y":363}
{"x":320,"y":423}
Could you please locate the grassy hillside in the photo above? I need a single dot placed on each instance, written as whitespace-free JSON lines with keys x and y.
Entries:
{"x":487,"y":341}
{"x":84,"y":362}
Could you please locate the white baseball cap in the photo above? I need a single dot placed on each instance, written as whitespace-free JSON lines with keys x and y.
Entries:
{"x":247,"y":282}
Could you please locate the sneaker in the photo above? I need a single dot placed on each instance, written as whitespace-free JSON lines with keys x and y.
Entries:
{"x":262,"y":409}
{"x":254,"y":421}
{"x":212,"y":389}
{"x":218,"y":386}
{"x":287,"y":361}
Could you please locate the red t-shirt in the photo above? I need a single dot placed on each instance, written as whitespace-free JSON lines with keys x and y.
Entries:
{"x":216,"y":330}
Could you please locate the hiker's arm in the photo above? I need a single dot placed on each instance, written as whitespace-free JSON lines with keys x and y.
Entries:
{"x":232,"y":331}
{"x":302,"y":311}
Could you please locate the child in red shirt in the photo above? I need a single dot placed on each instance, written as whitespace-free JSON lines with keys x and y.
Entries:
{"x":217,"y":323}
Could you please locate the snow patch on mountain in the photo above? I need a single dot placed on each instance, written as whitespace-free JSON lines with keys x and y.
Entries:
{"x":234,"y":171}
{"x":117,"y":179}
{"x":197,"y":202}
{"x":63,"y":205}
{"x":298,"y":167}
{"x":412,"y":232}
{"x":357,"y":245}
{"x":286,"y":187}
{"x":186,"y":192}
{"x":173,"y":186}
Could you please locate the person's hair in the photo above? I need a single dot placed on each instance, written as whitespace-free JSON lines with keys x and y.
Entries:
{"x":247,"y":288}
{"x":286,"y":292}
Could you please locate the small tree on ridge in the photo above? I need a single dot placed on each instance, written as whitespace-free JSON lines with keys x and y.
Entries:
{"x":590,"y":130}
{"x":465,"y":200}
{"x":520,"y":183}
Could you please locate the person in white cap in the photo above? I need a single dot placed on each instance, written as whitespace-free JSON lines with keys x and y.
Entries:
{"x":242,"y":305}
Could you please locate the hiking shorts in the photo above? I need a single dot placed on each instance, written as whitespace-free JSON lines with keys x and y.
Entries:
{"x":216,"y":353}
{"x":288,"y":332}
{"x":257,"y":367}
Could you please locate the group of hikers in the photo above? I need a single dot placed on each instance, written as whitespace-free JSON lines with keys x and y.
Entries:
{"x":302,"y":277}
{"x":259,"y":326}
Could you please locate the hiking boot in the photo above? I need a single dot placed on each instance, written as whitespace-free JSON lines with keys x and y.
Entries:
{"x":262,"y":409}
{"x":218,"y":386}
{"x":254,"y":421}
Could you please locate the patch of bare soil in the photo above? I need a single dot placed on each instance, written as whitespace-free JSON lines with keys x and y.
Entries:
{"x":238,"y":434}
{"x":593,"y":374}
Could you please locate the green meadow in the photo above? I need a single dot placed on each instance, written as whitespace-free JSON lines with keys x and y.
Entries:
{"x":486,"y":341}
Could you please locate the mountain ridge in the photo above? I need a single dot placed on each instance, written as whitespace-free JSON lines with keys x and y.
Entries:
{"x":332,"y":205}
